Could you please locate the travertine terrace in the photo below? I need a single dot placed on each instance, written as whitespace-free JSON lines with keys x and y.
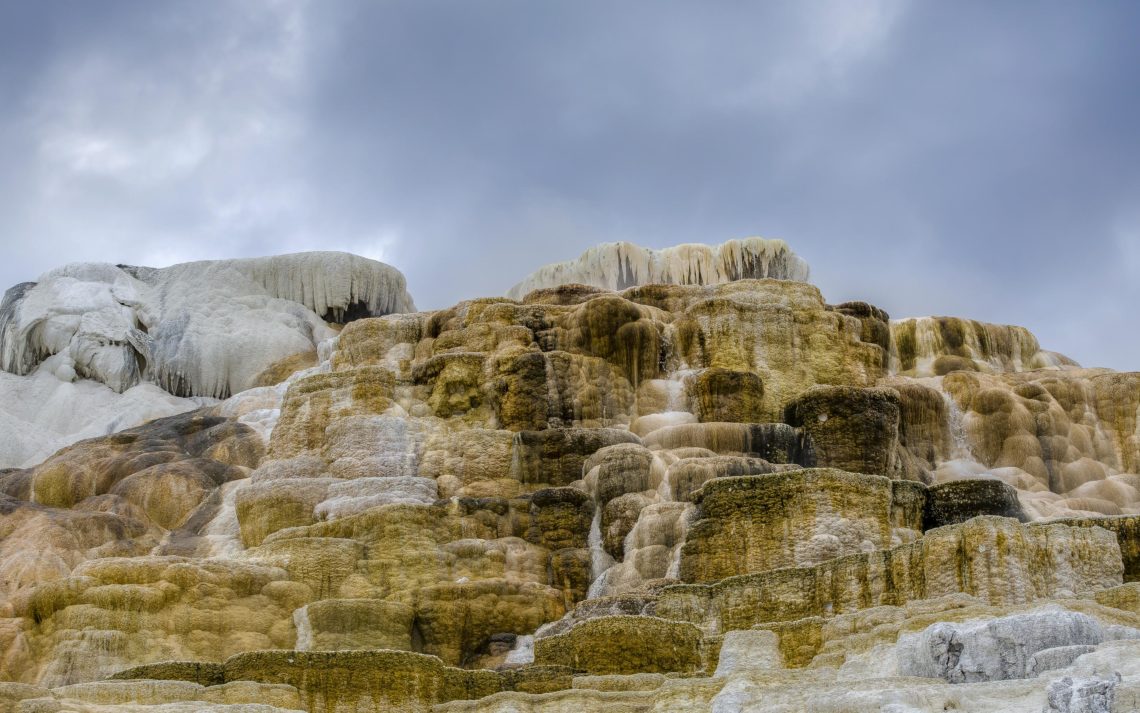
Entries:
{"x":644,"y":481}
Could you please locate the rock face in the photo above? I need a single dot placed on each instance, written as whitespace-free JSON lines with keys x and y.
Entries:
{"x":762,"y":522}
{"x":994,"y":559}
{"x":616,"y":266}
{"x":202,"y":329}
{"x":648,"y":480}
{"x":1016,"y":646}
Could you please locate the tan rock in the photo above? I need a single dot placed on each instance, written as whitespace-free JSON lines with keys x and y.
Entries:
{"x":756,"y":523}
{"x":625,"y":645}
{"x":995,"y":559}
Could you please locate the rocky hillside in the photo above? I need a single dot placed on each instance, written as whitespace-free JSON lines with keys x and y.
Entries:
{"x":647,"y":481}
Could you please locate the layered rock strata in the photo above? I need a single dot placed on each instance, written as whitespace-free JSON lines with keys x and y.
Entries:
{"x":721,"y":493}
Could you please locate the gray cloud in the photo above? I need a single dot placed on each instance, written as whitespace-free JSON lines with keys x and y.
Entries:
{"x":976,"y":159}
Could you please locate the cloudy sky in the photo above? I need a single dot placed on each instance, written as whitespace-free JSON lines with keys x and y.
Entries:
{"x":979,"y":159}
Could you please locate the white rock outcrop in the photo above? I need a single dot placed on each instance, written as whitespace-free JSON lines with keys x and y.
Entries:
{"x":616,"y":266}
{"x":40,"y":413}
{"x":999,"y":649}
{"x":91,"y":348}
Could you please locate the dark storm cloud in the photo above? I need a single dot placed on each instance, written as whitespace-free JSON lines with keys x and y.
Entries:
{"x":978,"y":159}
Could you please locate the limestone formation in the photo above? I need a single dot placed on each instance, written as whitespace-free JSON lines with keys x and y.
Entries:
{"x":647,"y":480}
{"x":850,"y":428}
{"x":106,"y":333}
{"x":960,"y":500}
{"x":616,"y":266}
{"x":802,"y":517}
{"x":998,"y":649}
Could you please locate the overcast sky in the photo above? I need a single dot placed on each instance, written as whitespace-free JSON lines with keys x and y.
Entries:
{"x":979,"y":159}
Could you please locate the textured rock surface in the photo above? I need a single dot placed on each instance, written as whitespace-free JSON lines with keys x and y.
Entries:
{"x":625,"y":645}
{"x":616,"y":266}
{"x":763,"y":522}
{"x":850,"y":428}
{"x":203,"y":329}
{"x":702,"y":491}
{"x":959,"y":500}
{"x":1127,"y":530}
{"x":998,"y":649}
{"x":993,"y":558}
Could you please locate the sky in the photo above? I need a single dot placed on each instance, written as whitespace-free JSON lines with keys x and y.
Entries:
{"x":976,"y":159}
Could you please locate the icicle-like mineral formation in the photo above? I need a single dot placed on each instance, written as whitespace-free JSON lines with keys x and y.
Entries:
{"x":616,"y":266}
{"x":88,"y":334}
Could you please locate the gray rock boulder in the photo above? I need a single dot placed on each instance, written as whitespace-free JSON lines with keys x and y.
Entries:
{"x":995,"y":649}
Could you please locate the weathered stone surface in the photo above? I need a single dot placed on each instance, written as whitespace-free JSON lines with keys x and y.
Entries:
{"x":938,"y":345}
{"x":773,"y":442}
{"x":621,"y":469}
{"x":960,"y":500}
{"x":265,"y":507}
{"x":1070,"y":433}
{"x":571,"y":572}
{"x":626,"y":604}
{"x":1067,"y":695}
{"x":616,"y":266}
{"x":560,"y":518}
{"x":557,"y":456}
{"x":457,"y":621}
{"x":619,"y":483}
{"x":1126,"y":597}
{"x":616,"y":330}
{"x":313,"y":403}
{"x":995,"y":559}
{"x":201,"y":672}
{"x":875,"y":322}
{"x":996,"y":649}
{"x":908,"y":505}
{"x":339,"y":624}
{"x":619,"y":517}
{"x":1055,"y":658}
{"x":1127,"y":531}
{"x":207,"y":443}
{"x":166,"y":697}
{"x":687,"y":475}
{"x":536,"y":679}
{"x":359,"y":681}
{"x":750,"y":650}
{"x":625,"y":645}
{"x":720,"y":394}
{"x":757,"y":523}
{"x":924,"y":426}
{"x":850,"y":428}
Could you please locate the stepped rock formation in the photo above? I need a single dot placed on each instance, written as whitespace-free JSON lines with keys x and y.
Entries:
{"x":646,"y":481}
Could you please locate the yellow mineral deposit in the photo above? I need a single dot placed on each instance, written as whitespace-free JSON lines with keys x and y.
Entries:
{"x":644,"y":481}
